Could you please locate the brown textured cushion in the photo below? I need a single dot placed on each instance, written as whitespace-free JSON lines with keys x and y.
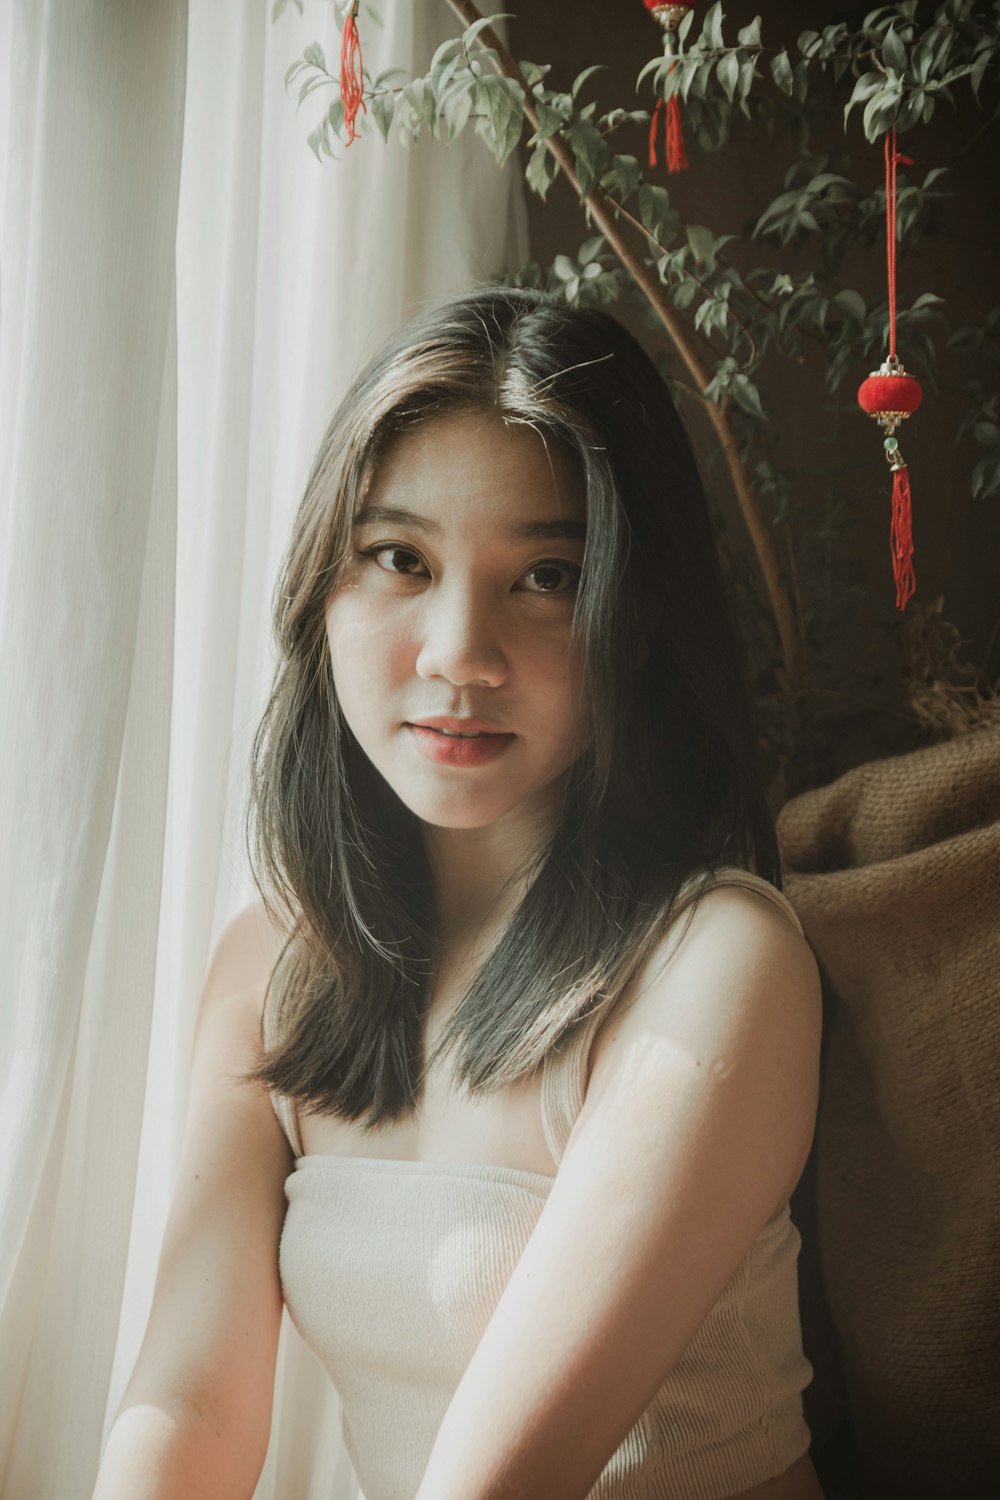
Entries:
{"x":894,"y":870}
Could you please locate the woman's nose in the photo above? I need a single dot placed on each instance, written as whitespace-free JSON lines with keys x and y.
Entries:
{"x":461,"y":639}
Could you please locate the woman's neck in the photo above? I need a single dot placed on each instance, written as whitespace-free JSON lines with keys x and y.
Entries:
{"x":481,"y":874}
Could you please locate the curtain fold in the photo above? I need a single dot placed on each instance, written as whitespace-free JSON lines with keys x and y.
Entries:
{"x":185,"y":293}
{"x":88,"y":461}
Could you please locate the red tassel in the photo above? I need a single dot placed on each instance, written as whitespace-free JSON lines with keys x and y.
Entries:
{"x":351,"y":74}
{"x":902,"y":537}
{"x":676,"y":158}
{"x":652,"y":131}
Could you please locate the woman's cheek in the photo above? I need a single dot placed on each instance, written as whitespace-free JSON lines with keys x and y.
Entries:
{"x":369,"y":636}
{"x":551,"y":657}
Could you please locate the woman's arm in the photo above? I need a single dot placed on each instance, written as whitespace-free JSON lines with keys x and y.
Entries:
{"x":195,"y":1418}
{"x":697,"y":1124}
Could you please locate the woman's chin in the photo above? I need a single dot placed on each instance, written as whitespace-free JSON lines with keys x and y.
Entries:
{"x":436,"y":816}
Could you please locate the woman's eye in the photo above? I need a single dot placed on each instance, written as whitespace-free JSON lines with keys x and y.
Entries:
{"x":393,"y":559}
{"x":552,"y":578}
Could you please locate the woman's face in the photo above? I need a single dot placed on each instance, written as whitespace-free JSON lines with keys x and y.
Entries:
{"x":454,"y":613}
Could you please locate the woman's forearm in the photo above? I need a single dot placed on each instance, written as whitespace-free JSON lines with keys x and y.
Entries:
{"x":166,"y":1450}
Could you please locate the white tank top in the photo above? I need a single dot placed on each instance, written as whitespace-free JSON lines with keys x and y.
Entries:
{"x":391,"y":1271}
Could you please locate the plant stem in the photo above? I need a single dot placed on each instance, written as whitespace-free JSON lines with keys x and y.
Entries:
{"x":602,"y":212}
{"x":620,"y":211}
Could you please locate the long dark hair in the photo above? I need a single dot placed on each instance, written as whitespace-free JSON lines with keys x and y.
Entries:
{"x":668,"y":789}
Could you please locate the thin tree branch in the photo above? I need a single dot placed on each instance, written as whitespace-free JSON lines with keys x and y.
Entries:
{"x":622,"y":212}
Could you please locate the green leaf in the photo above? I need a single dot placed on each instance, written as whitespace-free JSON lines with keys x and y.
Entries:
{"x":880,"y":111}
{"x":654,"y":208}
{"x":749,"y":36}
{"x":866,"y":85}
{"x":549,"y":120}
{"x":624,"y":177}
{"x":921,"y":58}
{"x":702,"y":75}
{"x":655,"y":65}
{"x":927,"y":299}
{"x":746,"y":395}
{"x":420,"y":98}
{"x":590,"y":152}
{"x":728,"y":74}
{"x":502,"y":123}
{"x":852,"y":304}
{"x":581,"y":78}
{"x":317,"y":81}
{"x":702,"y":242}
{"x":712,"y":28}
{"x":986,"y":478}
{"x":724,"y":371}
{"x":893,"y":51}
{"x":800,"y":79}
{"x":444,"y":61}
{"x":781,"y":72}
{"x":317,"y":141}
{"x":383,"y":109}
{"x":542,"y":170}
{"x":455,"y":108}
{"x":712,"y":314}
{"x":470,"y":34}
{"x":590,"y":249}
{"x":314,"y":54}
{"x":534,"y":74}
{"x":689,"y":70}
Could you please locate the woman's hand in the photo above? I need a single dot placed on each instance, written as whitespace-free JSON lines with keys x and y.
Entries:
{"x":696,"y":1126}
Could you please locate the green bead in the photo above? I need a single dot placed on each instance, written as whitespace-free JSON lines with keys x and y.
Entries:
{"x":891,"y":444}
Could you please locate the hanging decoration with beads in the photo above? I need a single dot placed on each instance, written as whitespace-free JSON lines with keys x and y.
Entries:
{"x":669,"y":17}
{"x":890,"y":395}
{"x":351,"y":72}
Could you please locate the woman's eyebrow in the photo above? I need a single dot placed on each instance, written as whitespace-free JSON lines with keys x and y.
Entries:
{"x":530,"y":531}
{"x":393,"y":515}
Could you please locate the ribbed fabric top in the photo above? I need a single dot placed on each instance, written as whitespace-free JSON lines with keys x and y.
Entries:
{"x":391,"y":1271}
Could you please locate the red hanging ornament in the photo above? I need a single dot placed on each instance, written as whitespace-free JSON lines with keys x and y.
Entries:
{"x":351,"y":72}
{"x":669,"y":17}
{"x":890,"y":395}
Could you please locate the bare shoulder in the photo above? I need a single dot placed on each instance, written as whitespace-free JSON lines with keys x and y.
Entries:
{"x":244,"y":957}
{"x":732,"y":978}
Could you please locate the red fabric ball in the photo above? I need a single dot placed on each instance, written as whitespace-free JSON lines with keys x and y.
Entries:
{"x":890,"y":393}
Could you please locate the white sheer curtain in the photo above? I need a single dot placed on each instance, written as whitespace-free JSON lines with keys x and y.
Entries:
{"x":150,"y":463}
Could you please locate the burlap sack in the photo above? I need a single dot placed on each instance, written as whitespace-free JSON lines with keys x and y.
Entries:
{"x":894,"y":870}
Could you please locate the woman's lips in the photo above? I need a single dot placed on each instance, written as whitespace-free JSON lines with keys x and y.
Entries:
{"x":448,"y":750}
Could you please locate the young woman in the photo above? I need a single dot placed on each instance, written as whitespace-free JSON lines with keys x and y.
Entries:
{"x":540,"y":1032}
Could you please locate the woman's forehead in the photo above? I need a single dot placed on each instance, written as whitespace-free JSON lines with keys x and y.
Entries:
{"x":460,"y":461}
